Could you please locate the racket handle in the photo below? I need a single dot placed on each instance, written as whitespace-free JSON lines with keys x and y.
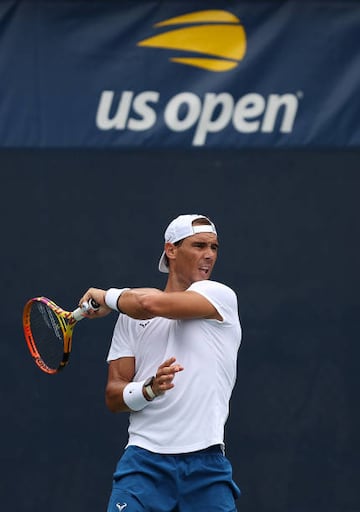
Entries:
{"x":93,"y":305}
{"x":80,"y":312}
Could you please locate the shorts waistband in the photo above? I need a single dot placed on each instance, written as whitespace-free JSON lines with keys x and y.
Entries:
{"x":215,"y":448}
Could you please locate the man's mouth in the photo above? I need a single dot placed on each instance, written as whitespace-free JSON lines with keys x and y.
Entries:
{"x":204,"y":270}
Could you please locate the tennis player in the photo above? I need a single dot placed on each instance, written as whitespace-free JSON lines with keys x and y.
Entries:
{"x":172,"y":364}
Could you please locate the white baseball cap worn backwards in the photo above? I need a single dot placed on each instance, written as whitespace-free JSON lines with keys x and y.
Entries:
{"x":181,"y":228}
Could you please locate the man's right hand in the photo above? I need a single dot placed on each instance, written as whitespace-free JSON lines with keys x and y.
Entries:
{"x":98,"y":296}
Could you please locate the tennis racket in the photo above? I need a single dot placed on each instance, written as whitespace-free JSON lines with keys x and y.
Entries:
{"x":48,"y":331}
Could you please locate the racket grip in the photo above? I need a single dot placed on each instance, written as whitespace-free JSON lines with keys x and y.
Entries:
{"x":80,"y":312}
{"x":91,"y":304}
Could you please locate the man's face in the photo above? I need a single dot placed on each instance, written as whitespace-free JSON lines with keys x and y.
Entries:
{"x":194,"y":259}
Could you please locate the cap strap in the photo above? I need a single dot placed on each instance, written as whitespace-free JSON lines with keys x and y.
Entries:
{"x":204,"y":228}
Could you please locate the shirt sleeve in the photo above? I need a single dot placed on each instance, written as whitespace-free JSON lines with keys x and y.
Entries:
{"x":220,"y":296}
{"x":121,"y":340}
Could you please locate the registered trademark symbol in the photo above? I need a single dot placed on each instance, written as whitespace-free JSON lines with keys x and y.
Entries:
{"x":300,"y":94}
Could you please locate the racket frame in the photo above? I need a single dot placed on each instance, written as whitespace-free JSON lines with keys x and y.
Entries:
{"x":67,"y":322}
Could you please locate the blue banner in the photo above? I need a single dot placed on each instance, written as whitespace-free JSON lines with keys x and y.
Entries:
{"x":179,"y":74}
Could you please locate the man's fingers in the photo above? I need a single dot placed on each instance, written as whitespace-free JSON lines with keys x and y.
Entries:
{"x":169,"y":366}
{"x":168,"y":362}
{"x":165,"y":375}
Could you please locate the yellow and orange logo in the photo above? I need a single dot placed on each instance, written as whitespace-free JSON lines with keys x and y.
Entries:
{"x":213,"y":40}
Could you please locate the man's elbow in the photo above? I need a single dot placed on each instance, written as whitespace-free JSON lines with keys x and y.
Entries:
{"x":114,"y":401}
{"x":149,"y":306}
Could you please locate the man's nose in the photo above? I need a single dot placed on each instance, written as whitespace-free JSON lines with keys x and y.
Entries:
{"x":209,"y":253}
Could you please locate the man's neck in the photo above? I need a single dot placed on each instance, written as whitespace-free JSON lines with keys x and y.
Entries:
{"x":176,"y":284}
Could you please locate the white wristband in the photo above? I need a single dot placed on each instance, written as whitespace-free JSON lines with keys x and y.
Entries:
{"x":112,"y":297}
{"x":133,"y":396}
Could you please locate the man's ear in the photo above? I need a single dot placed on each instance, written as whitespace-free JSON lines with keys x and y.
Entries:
{"x":170,"y":250}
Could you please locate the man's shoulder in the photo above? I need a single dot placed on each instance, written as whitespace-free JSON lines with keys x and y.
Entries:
{"x":221,"y":296}
{"x":215,"y":287}
{"x":209,"y":284}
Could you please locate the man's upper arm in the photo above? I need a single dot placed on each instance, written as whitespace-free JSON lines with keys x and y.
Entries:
{"x":143,"y":303}
{"x":188,"y":304}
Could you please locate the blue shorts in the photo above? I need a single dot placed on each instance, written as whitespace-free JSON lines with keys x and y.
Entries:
{"x":196,"y":482}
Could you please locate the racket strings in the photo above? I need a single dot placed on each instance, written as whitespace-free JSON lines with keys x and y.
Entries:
{"x":48,"y":334}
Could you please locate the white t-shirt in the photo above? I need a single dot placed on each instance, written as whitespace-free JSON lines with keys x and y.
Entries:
{"x":192,"y":415}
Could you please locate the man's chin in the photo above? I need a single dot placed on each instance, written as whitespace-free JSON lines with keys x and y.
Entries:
{"x":202,"y":276}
